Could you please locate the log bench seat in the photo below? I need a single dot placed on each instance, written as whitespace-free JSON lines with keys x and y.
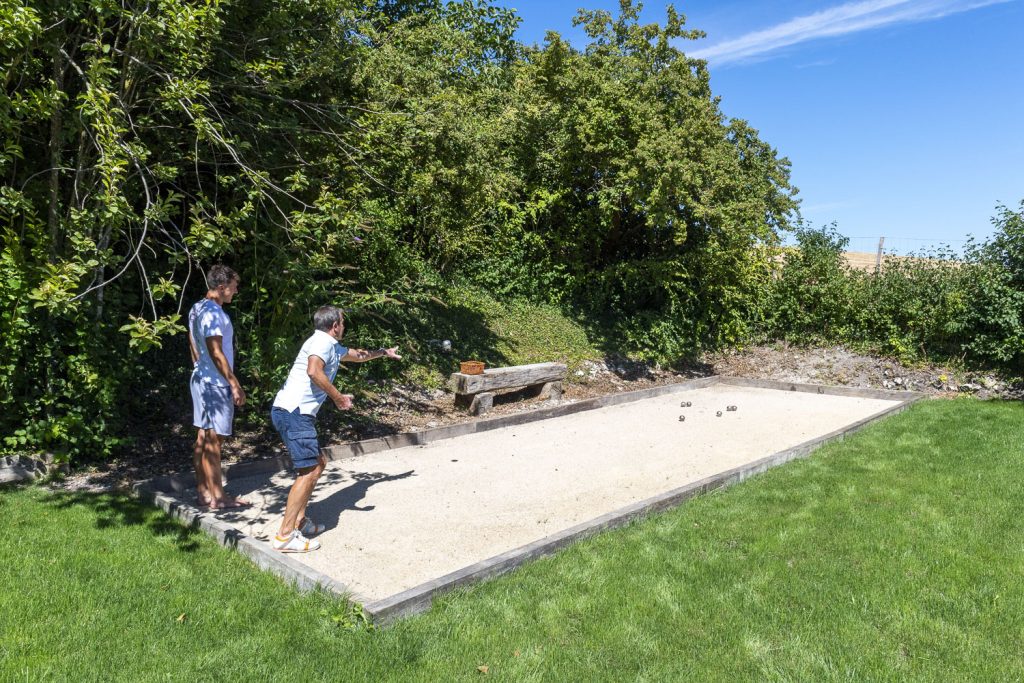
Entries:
{"x":477,"y":392}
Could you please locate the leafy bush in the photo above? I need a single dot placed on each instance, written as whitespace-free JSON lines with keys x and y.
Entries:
{"x":811,"y":299}
{"x":415,"y":164}
{"x":367,"y":154}
{"x":936,"y":305}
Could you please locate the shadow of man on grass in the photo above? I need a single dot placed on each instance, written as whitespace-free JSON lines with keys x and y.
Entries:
{"x":113,"y":510}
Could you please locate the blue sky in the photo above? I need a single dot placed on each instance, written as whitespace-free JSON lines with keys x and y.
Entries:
{"x":902,"y":118}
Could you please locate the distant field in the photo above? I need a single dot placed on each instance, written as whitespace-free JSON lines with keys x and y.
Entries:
{"x":858,"y":260}
{"x":862,"y":260}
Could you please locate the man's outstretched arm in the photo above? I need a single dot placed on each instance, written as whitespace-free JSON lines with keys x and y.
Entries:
{"x":362,"y":355}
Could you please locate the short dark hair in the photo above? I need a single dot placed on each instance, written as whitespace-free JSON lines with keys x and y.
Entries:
{"x":326,"y":316}
{"x":220,"y":275}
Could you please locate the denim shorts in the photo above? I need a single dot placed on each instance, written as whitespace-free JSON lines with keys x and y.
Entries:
{"x":212,"y":406}
{"x":299,"y":434}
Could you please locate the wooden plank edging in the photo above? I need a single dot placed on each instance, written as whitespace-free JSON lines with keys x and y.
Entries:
{"x":259,"y":552}
{"x":420,"y":597}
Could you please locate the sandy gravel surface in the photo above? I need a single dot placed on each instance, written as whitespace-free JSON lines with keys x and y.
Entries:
{"x":399,"y":518}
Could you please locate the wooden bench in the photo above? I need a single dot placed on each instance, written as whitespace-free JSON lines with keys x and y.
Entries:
{"x":476,"y":392}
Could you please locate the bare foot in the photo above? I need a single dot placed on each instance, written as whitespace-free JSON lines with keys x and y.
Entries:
{"x":228,"y":502}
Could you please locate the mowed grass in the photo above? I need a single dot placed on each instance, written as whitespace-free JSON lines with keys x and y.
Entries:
{"x":897,"y":554}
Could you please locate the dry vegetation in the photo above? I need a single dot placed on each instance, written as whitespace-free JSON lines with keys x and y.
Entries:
{"x":866,"y":260}
{"x":858,"y":260}
{"x":862,"y":260}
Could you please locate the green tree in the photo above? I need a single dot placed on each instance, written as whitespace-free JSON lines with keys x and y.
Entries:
{"x":639,"y":201}
{"x":369,"y":154}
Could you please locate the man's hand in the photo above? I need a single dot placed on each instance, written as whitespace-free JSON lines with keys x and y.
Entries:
{"x":237,"y":394}
{"x":343,"y":402}
{"x":392,"y":353}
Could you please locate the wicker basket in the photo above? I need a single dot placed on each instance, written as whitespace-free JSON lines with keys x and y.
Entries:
{"x":471,"y":367}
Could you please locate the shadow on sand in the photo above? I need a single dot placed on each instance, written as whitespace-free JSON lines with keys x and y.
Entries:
{"x":271,"y":498}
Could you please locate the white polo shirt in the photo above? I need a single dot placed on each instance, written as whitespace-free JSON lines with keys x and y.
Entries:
{"x":299,"y":390}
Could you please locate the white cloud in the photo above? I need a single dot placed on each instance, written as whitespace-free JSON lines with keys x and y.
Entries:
{"x":820,"y":62}
{"x":836,"y":21}
{"x":827,"y":206}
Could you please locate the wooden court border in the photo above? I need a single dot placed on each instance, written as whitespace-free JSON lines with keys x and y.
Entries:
{"x":161,"y":491}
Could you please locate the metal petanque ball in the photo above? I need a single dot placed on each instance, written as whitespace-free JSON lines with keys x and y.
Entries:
{"x":682,"y":418}
{"x":718,"y":413}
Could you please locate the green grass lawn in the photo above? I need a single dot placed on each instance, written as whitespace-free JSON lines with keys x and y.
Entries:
{"x":897,"y":554}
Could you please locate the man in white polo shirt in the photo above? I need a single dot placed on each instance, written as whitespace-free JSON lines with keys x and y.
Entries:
{"x":309,"y":383}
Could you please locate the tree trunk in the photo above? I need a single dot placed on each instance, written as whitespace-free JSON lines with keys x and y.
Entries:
{"x":56,"y":130}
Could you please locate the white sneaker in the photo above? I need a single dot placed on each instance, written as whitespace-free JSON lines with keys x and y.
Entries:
{"x":294,"y":543}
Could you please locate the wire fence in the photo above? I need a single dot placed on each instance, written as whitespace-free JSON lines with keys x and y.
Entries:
{"x":907,"y":246}
{"x":872,"y":253}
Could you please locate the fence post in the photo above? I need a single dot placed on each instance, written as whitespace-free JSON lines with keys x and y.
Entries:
{"x":878,"y":258}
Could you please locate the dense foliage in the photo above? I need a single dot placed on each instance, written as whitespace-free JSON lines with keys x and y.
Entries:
{"x":365,"y":154}
{"x":407,"y":160}
{"x":939,"y":305}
